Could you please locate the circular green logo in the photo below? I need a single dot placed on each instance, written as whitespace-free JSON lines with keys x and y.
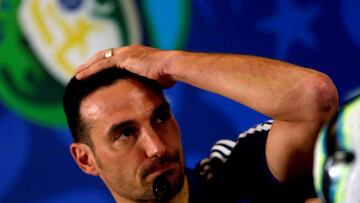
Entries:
{"x":43,"y":41}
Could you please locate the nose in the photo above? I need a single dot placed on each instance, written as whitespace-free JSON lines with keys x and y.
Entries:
{"x":152,"y":143}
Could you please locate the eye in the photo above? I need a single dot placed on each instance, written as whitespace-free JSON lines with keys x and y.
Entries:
{"x":125,"y":133}
{"x":162,"y":117}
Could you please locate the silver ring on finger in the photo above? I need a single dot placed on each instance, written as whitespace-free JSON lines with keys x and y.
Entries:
{"x":108,"y":53}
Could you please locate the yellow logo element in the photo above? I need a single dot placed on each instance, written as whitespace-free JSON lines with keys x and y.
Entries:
{"x":64,"y":38}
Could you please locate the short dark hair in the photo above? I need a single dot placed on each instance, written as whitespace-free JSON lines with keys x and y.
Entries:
{"x":77,"y":90}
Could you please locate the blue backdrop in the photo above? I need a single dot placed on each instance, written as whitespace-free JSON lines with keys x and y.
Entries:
{"x":35,"y":165}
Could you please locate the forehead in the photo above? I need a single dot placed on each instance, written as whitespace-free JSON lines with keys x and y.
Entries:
{"x":121,"y":100}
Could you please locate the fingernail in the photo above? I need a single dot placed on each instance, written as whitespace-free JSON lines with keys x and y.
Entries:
{"x":78,"y":76}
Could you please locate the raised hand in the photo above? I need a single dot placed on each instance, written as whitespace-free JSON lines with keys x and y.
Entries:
{"x":145,"y":61}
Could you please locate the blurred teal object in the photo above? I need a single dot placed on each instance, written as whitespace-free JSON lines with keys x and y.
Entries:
{"x":337,"y":168}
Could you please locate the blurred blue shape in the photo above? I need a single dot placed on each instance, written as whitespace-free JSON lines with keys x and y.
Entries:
{"x":13,"y":151}
{"x":290,"y":24}
{"x":350,"y":11}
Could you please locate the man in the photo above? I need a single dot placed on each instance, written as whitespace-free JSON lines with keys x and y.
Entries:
{"x":124,"y":131}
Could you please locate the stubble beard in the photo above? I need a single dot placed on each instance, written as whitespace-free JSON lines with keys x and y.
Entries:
{"x":124,"y":185}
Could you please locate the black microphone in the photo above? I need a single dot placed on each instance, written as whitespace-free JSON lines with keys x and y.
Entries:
{"x":161,"y":188}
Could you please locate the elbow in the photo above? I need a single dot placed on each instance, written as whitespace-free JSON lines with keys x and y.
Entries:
{"x":323,"y":97}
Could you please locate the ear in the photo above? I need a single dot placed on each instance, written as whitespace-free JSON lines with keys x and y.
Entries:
{"x":84,"y":158}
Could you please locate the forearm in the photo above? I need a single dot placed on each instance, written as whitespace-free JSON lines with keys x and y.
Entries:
{"x":277,"y":89}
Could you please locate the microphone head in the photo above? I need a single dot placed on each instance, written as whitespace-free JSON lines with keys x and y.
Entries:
{"x":161,"y":188}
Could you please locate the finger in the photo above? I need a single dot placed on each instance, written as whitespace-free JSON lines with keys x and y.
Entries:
{"x":96,"y":67}
{"x":97,"y":56}
{"x":93,"y":59}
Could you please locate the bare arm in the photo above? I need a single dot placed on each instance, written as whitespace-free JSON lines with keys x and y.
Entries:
{"x":298,"y":99}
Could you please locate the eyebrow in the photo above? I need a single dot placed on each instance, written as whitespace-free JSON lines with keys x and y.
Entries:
{"x":163,"y":107}
{"x":123,"y":124}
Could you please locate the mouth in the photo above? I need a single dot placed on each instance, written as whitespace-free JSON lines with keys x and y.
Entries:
{"x":164,"y":169}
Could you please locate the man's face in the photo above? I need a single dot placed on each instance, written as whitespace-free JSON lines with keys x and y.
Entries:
{"x":135,"y":138}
